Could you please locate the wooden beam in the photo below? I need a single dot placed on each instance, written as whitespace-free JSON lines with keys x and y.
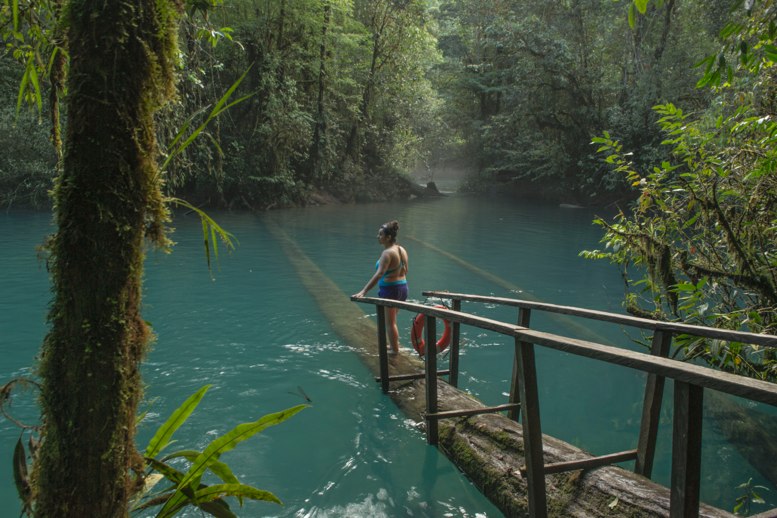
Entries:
{"x":591,"y":462}
{"x":382,"y":350}
{"x":651,"y":408}
{"x":407,"y":377}
{"x":532,"y":430}
{"x":524,"y":316}
{"x":471,"y":411}
{"x":453,"y":361}
{"x":430,"y":353}
{"x":686,"y":451}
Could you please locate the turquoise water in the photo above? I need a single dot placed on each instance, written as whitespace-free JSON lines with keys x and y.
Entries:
{"x":256,"y":335}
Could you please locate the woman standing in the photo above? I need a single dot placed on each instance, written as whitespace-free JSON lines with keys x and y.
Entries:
{"x":390,"y":276}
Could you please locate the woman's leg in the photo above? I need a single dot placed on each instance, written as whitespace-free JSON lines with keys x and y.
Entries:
{"x":393,"y":330}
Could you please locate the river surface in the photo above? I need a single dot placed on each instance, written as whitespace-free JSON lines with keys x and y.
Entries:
{"x":252,"y":331}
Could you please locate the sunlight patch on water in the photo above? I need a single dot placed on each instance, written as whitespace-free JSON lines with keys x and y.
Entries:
{"x":343,"y":377}
{"x":376,"y":506}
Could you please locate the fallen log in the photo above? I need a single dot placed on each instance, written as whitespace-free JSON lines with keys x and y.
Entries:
{"x":488,"y":448}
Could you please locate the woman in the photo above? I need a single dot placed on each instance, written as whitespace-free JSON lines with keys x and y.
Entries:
{"x":390,"y":276}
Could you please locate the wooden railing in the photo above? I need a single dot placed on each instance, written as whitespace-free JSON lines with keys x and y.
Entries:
{"x":690,"y":381}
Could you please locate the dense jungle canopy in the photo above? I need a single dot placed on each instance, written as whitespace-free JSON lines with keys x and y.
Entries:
{"x":349,"y":97}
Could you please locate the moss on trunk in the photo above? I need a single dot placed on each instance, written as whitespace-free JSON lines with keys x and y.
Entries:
{"x":107,"y":201}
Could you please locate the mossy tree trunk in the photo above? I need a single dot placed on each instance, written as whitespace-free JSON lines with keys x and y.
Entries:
{"x":107,"y":202}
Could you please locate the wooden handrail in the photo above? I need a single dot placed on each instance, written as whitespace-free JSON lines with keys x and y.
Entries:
{"x":615,"y":318}
{"x":756,"y":390}
{"x":690,"y":380}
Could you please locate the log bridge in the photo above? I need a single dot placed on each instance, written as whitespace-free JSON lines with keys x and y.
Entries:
{"x":551,"y":487}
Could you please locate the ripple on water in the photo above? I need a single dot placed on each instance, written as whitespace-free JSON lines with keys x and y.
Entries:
{"x":343,"y":377}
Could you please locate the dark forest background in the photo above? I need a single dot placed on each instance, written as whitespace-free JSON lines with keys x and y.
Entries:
{"x":351,"y":100}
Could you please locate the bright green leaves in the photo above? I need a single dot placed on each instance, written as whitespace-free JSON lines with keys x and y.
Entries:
{"x":751,"y":494}
{"x":212,"y":232}
{"x":162,"y":437}
{"x":641,"y":7}
{"x":29,"y":88}
{"x":185,"y":137}
{"x":27,"y":28}
{"x":748,"y":45}
{"x":702,"y":229}
{"x":187,"y":487}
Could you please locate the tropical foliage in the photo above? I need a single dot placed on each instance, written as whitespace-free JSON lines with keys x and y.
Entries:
{"x":529,"y":83}
{"x":349,"y":96}
{"x":185,"y":488}
{"x":704,"y":228}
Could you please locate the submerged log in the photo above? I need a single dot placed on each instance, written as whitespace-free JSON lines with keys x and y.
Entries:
{"x":488,"y":448}
{"x":752,"y":432}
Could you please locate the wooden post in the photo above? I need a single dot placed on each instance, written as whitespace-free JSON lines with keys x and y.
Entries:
{"x":651,"y":408}
{"x":686,"y":450}
{"x":532,"y":429}
{"x":382,"y":350}
{"x":431,"y":379}
{"x":453,"y":366}
{"x":524,"y":315}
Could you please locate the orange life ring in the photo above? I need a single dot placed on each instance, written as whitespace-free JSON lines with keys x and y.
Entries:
{"x":417,"y":334}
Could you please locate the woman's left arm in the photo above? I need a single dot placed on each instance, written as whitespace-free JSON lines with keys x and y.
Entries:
{"x":383,"y":263}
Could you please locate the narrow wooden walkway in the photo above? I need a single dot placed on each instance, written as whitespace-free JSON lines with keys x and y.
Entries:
{"x":690,"y":382}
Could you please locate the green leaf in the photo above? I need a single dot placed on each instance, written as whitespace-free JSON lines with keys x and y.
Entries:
{"x":706,"y":62}
{"x":214,"y":450}
{"x":15,"y":11}
{"x":217,"y":508}
{"x":222,"y":105}
{"x":170,"y":473}
{"x":220,"y":469}
{"x":632,"y":17}
{"x":22,"y":90}
{"x":210,"y":229}
{"x":36,"y":87}
{"x":730,"y":29}
{"x":215,"y":491}
{"x":641,"y":5}
{"x":21,"y":479}
{"x":162,"y":436}
{"x":771,"y":52}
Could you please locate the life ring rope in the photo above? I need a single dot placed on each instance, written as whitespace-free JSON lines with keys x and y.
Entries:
{"x":417,"y":334}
